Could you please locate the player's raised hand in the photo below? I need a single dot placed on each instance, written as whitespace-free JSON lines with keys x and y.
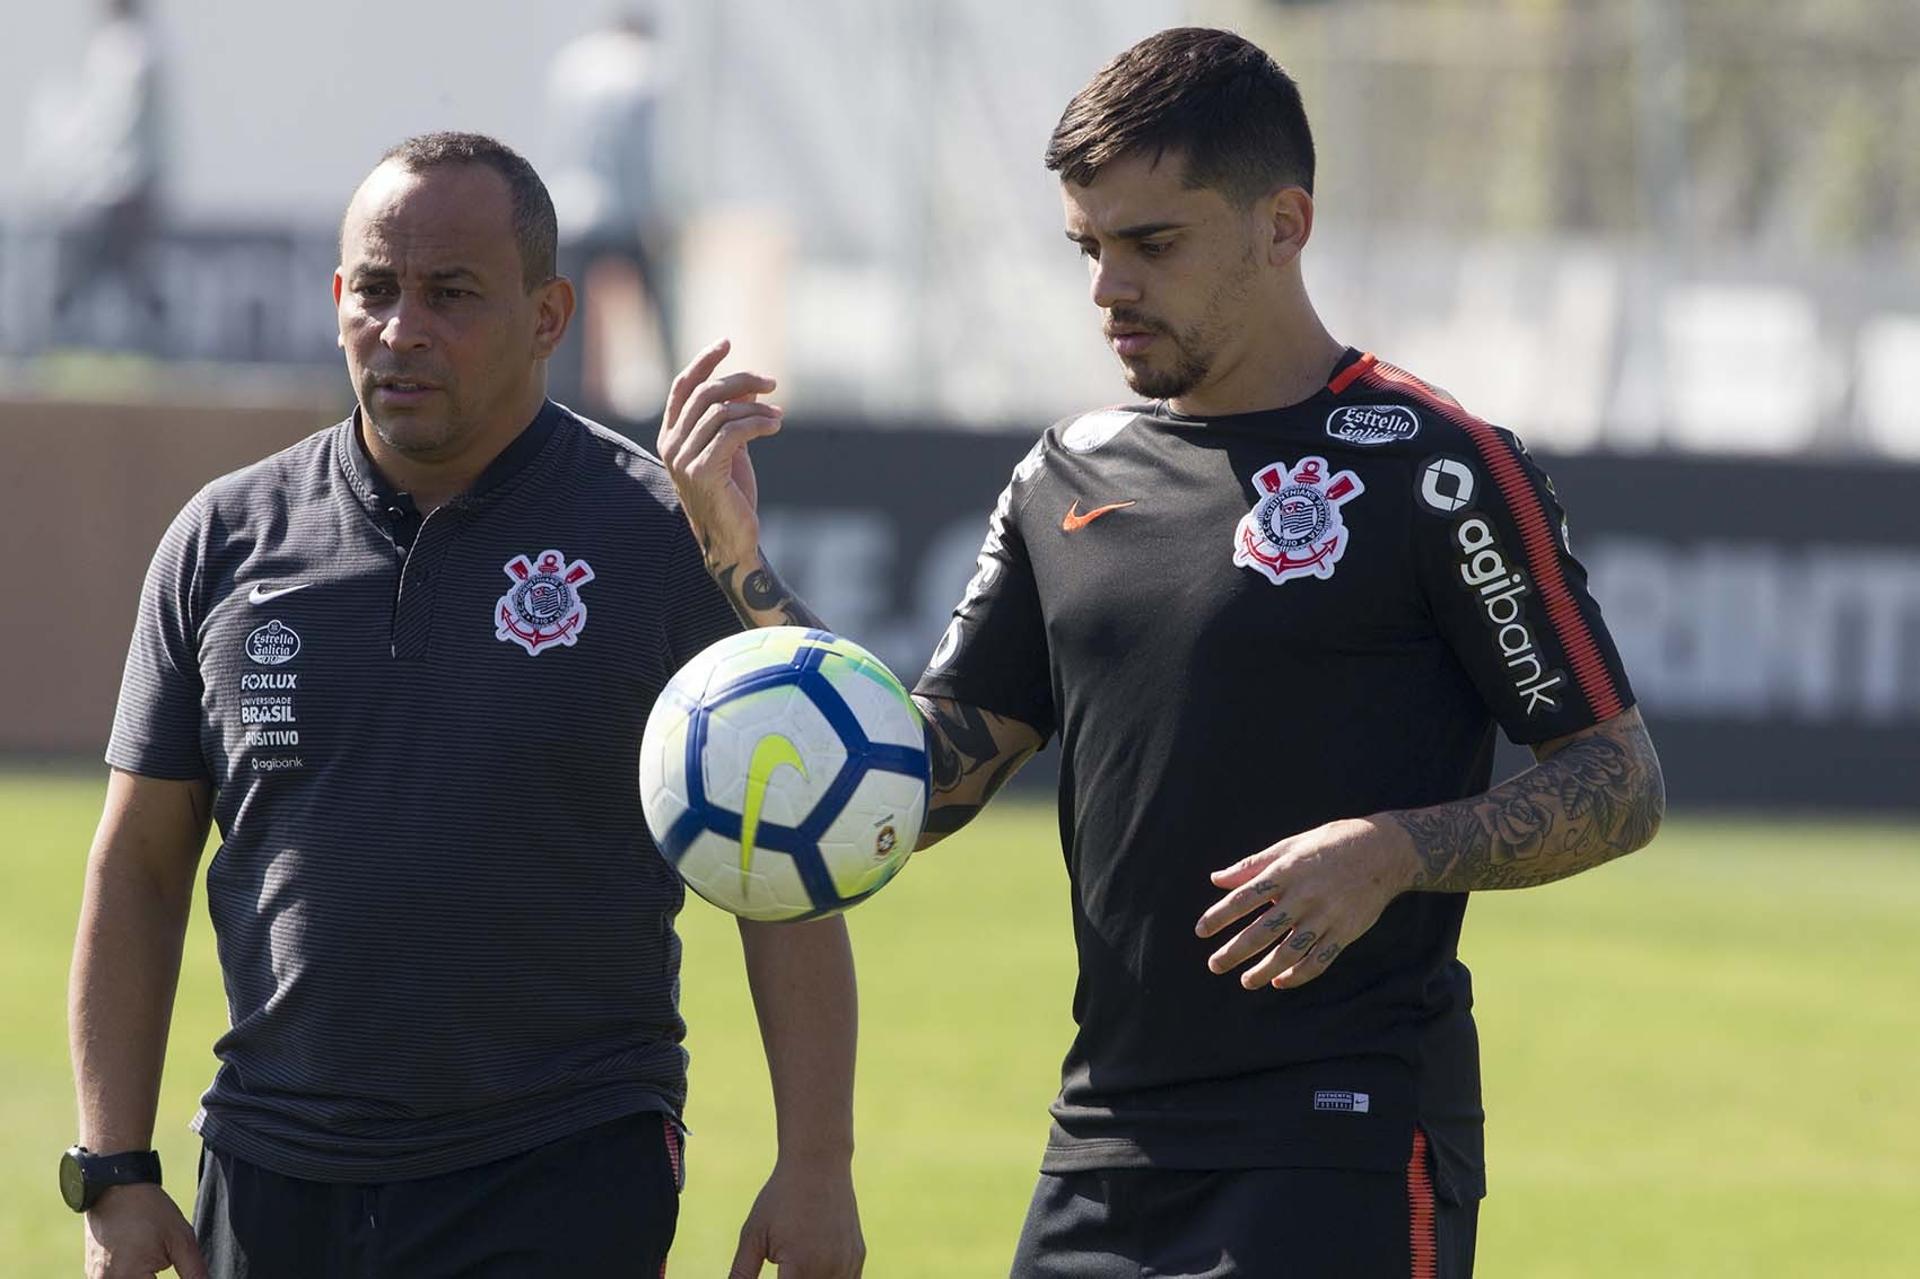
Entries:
{"x":1320,"y":889}
{"x":704,"y":433}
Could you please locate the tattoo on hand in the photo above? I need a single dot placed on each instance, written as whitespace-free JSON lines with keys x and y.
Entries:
{"x":1277,"y":922}
{"x":1302,"y":939}
{"x":1328,"y":952}
{"x":1596,"y":798}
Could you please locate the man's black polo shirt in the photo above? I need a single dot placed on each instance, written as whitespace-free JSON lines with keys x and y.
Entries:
{"x":445,"y":933}
{"x":1242,"y":627}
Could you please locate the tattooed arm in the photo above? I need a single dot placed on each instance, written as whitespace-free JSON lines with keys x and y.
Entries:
{"x":760,"y":597}
{"x":708,"y":423}
{"x":1593,"y":796}
{"x":704,"y":433}
{"x":973,"y":753}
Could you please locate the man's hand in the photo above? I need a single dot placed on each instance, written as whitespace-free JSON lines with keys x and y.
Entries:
{"x":704,"y":435}
{"x":136,"y":1232}
{"x":806,"y":1222}
{"x":1322,"y":889}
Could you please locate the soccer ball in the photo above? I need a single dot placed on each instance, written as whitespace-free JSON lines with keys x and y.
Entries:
{"x":783,"y":773}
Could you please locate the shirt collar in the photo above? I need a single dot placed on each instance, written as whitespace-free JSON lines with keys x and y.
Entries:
{"x":511,"y":460}
{"x":1351,"y":364}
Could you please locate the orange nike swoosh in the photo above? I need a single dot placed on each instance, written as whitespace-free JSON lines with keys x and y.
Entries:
{"x":1073,"y":521}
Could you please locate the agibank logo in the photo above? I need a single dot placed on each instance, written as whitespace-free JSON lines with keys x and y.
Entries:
{"x":1499,"y":590}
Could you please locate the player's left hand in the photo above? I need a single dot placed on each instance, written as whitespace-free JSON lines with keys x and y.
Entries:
{"x":806,"y":1222}
{"x":1322,"y":889}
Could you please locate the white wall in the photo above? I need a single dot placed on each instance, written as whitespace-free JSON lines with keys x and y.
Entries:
{"x":886,"y":152}
{"x":277,"y":107}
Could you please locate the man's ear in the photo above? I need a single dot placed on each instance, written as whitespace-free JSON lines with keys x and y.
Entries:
{"x":1289,"y":214}
{"x":553,"y":312}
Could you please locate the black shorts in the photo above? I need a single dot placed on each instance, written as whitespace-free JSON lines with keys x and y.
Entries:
{"x":602,"y":1202}
{"x":1246,"y":1223}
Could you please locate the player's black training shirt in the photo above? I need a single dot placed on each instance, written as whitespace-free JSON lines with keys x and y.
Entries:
{"x":445,"y":934}
{"x":1242,"y":627}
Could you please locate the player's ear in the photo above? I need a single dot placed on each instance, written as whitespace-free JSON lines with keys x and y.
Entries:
{"x":553,"y":311}
{"x":1287,"y":218}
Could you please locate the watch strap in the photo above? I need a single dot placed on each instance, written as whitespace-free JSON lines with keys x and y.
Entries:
{"x":100,"y":1172}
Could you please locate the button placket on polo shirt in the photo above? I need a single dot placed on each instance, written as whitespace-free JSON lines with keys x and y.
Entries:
{"x":420,"y":575}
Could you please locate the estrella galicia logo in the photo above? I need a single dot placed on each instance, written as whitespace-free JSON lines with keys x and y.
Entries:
{"x":1369,"y":424}
{"x":274,"y":643}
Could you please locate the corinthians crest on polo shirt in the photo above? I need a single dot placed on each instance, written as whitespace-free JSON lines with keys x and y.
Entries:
{"x":1294,"y":528}
{"x":543,"y":606}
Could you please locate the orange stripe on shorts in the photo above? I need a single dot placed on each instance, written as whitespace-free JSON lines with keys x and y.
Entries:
{"x":1426,"y":1245}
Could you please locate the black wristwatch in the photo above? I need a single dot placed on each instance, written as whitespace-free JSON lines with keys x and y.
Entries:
{"x":84,"y":1176}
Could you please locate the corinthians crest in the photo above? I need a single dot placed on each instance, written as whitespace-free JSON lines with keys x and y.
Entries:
{"x":1295,"y":529}
{"x":543,"y":606}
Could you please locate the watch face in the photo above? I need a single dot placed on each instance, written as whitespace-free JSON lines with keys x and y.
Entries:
{"x":73,"y":1183}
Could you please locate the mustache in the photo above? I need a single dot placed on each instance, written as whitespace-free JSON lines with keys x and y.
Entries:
{"x":1121,"y":318}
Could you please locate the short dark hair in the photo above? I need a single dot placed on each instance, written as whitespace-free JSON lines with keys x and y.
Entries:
{"x":1212,"y":96}
{"x":534,"y":227}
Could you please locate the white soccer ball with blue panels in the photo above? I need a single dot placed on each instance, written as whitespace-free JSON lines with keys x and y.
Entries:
{"x":784,"y":773}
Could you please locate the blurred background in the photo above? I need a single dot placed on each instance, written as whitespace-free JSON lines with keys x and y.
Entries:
{"x":1675,"y":244}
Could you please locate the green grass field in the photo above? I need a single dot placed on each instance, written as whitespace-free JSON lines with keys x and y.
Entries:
{"x":1699,"y":1062}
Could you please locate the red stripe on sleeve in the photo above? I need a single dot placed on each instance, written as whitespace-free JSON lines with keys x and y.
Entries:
{"x":1426,"y":1244}
{"x":1537,"y":540}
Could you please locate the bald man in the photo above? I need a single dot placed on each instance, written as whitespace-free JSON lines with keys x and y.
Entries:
{"x":402,"y":667}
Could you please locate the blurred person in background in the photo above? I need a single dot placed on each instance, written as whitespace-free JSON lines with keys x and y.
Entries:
{"x":603,"y":104}
{"x":402,"y":668}
{"x":94,"y":163}
{"x":1275,"y":612}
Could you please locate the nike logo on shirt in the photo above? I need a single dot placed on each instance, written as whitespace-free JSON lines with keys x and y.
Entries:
{"x":1073,"y":521}
{"x":259,"y":595}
